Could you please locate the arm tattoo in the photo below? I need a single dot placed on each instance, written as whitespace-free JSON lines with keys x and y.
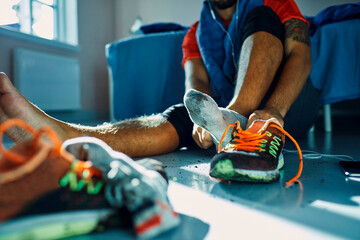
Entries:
{"x":297,"y":30}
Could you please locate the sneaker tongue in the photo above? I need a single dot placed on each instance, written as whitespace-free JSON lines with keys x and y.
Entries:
{"x":261,"y":125}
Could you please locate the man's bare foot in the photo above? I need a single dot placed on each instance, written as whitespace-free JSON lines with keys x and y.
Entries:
{"x":15,"y":105}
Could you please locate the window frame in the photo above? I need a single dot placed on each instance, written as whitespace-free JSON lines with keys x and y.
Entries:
{"x":65,"y":28}
{"x":56,"y":12}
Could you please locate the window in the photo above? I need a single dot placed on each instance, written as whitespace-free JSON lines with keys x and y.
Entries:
{"x":49,"y":19}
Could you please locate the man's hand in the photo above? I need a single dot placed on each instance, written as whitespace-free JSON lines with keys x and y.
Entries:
{"x":202,"y":137}
{"x":266,"y":114}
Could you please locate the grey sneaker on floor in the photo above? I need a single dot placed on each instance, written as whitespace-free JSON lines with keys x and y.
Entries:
{"x":140,"y":186}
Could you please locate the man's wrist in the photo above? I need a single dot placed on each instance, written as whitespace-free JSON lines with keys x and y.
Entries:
{"x":280,"y":109}
{"x":240,"y":109}
{"x":266,"y":114}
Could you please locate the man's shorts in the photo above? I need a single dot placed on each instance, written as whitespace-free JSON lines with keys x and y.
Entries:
{"x":260,"y":19}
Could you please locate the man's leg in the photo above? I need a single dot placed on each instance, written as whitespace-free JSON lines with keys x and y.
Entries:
{"x":260,"y":58}
{"x":251,"y":155}
{"x":143,"y":136}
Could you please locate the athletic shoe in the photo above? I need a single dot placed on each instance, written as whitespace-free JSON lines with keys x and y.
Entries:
{"x":254,"y":155}
{"x":34,"y":204}
{"x":141,"y":189}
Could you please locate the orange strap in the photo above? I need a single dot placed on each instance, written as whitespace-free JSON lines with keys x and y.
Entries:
{"x":246,"y":141}
{"x":86,"y":166}
{"x":223,"y":136}
{"x":37,"y":135}
{"x":80,"y":167}
{"x":294,"y":179}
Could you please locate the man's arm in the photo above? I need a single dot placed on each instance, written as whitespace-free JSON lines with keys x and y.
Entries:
{"x":196,"y":76}
{"x":295,"y":72}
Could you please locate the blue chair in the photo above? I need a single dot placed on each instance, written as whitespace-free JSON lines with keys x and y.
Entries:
{"x":146,"y":75}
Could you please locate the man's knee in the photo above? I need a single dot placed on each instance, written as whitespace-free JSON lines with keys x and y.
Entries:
{"x":263,"y":19}
{"x":178,"y":117}
{"x":151,"y":121}
{"x":270,"y":47}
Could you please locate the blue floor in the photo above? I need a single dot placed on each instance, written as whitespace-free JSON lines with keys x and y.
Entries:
{"x":325,"y":200}
{"x":325,"y":205}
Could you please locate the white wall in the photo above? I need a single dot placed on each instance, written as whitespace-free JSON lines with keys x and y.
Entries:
{"x":96,"y":29}
{"x":185,"y":12}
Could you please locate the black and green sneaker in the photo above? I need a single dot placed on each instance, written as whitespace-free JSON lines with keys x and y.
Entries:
{"x":253,"y":155}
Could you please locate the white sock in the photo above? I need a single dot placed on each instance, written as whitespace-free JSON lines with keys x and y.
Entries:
{"x":204,"y":112}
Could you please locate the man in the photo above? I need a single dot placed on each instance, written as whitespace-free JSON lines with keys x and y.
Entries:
{"x":248,"y":80}
{"x":274,"y":63}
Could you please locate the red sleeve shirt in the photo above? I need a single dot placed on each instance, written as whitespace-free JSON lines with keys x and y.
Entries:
{"x":189,"y":46}
{"x":285,"y":9}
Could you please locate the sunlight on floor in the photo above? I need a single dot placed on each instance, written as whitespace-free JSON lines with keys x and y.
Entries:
{"x":345,"y":210}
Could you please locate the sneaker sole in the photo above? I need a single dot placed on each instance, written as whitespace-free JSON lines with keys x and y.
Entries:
{"x":53,"y":226}
{"x":224,"y":170}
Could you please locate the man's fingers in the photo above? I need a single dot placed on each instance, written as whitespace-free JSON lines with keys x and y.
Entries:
{"x":265,"y":114}
{"x":202,"y":137}
{"x":195,"y":136}
{"x":207,"y":144}
{"x":205,"y":135}
{"x":252,"y":118}
{"x":206,"y":139}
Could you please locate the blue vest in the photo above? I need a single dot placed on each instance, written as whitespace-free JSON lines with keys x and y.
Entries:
{"x":216,"y":48}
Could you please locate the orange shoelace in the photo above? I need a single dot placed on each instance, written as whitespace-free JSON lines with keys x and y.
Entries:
{"x":37,"y":135}
{"x":249,"y":141}
{"x":86,"y":170}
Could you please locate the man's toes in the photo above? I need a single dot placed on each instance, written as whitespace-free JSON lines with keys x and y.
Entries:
{"x":193,"y":97}
{"x":3,"y":76}
{"x":5,"y":83}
